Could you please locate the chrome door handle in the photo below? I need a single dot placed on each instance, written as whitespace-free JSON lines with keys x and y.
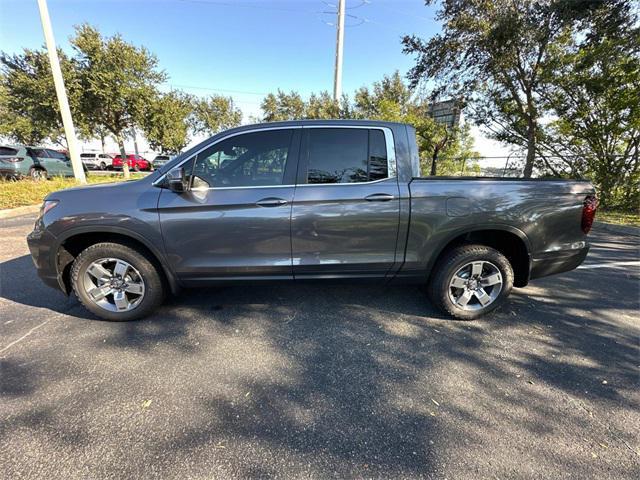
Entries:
{"x":379,"y":197}
{"x":271,"y":202}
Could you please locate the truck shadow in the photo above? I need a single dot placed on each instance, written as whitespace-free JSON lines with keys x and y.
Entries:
{"x":350,"y":381}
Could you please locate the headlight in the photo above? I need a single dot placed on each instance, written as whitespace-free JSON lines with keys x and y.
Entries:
{"x":47,"y":205}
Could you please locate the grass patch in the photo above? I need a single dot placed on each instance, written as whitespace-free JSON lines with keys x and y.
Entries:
{"x":618,"y":217}
{"x":29,"y":192}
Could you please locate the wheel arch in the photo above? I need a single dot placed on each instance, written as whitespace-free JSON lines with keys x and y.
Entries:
{"x":38,"y":166}
{"x":508,"y":240}
{"x":73,"y":242}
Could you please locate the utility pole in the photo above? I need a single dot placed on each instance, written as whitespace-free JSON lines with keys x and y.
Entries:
{"x":337,"y":78}
{"x":63,"y":102}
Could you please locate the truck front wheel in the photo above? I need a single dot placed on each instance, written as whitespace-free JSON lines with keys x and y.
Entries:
{"x":116,"y":282}
{"x":470,"y":281}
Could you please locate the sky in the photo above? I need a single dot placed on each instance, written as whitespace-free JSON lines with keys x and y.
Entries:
{"x":243,"y":48}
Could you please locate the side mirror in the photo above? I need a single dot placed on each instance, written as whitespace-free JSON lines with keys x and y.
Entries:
{"x":176,"y":180}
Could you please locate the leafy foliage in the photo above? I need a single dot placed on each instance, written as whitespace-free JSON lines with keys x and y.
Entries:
{"x":214,"y":114}
{"x":29,"y":110}
{"x":118,"y":80}
{"x":492,"y":54}
{"x":282,"y":106}
{"x":593,"y":95}
{"x":390,"y":99}
{"x":167,"y":121}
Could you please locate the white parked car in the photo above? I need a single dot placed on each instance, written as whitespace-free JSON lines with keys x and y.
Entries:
{"x":161,"y":160}
{"x":96,"y":161}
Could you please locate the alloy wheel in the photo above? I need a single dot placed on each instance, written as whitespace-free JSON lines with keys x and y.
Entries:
{"x":475,"y":285}
{"x":113,"y":284}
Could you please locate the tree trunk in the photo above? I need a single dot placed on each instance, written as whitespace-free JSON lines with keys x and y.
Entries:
{"x":531,"y":148}
{"x":434,"y":162}
{"x":123,"y":155}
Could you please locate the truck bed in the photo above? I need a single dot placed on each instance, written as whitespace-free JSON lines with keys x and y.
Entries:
{"x":545,"y":214}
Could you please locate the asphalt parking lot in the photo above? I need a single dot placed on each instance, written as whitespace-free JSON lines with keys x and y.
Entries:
{"x":324,"y":381}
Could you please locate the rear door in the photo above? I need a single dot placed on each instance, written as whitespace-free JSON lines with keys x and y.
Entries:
{"x":346,"y":208}
{"x":41,"y":158}
{"x":235,"y":222}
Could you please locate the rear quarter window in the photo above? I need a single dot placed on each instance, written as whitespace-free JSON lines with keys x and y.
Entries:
{"x":56,"y":154}
{"x":7,"y":151}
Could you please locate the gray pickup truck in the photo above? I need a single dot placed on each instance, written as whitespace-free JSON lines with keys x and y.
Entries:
{"x":308,"y":200}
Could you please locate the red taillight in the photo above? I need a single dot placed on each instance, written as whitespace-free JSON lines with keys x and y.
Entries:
{"x":589,"y":212}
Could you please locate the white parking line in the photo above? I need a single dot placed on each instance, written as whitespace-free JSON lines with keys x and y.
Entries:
{"x":610,"y":264}
{"x":24,"y":336}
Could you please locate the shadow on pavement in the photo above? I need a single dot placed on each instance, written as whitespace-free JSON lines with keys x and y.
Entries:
{"x":354,"y":380}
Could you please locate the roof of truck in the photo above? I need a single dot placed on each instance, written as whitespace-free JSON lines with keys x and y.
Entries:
{"x":299,"y":123}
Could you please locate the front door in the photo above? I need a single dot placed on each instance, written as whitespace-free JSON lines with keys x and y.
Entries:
{"x":235,"y":221}
{"x":346,"y":209}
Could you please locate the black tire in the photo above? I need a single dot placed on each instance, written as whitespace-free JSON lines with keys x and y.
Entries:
{"x":149,"y":271}
{"x":37,"y":174}
{"x":450,"y":263}
{"x":103,"y":166}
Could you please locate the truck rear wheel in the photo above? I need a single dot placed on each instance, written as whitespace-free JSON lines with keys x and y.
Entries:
{"x":116,"y":282}
{"x":470,"y":281}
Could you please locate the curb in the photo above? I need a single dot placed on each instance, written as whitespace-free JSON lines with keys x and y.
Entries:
{"x":19,"y":211}
{"x":619,"y":229}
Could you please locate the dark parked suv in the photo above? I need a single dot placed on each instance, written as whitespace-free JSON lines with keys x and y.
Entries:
{"x":308,"y":200}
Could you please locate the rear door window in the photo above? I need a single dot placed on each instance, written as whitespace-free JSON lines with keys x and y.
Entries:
{"x":345,"y":155}
{"x":38,"y":153}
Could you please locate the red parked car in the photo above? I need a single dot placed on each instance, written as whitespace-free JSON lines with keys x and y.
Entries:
{"x":135,"y":162}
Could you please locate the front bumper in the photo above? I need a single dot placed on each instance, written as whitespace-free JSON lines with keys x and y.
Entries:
{"x":41,"y":245}
{"x":561,"y":261}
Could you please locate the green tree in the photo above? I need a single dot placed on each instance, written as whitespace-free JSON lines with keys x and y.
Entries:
{"x":118,"y":81}
{"x":594,"y":98}
{"x":323,"y":106}
{"x":214,"y":114}
{"x":168,"y":121}
{"x":392,"y":100}
{"x":389,"y":99}
{"x":29,"y":110}
{"x":282,"y":106}
{"x":493,"y":54}
{"x":459,"y":156}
